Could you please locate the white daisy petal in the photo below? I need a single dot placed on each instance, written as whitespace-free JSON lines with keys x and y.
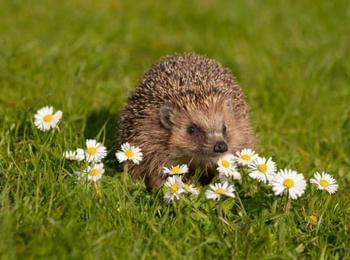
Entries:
{"x":121,"y":157}
{"x":278,"y":190}
{"x":57,"y":117}
{"x":80,"y":154}
{"x":212,"y":195}
{"x":77,"y":155}
{"x":70,"y":155}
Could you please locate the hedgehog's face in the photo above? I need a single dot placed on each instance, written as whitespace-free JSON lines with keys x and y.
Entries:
{"x":204,"y":133}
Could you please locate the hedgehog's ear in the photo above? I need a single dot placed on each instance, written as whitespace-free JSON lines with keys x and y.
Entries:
{"x":229,"y":104}
{"x":165,"y":114}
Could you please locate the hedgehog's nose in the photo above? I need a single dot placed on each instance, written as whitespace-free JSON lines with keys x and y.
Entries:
{"x":220,"y":147}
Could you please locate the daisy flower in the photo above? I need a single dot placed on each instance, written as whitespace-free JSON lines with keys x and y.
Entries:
{"x":189,"y":188}
{"x":227,"y":168}
{"x":80,"y":154}
{"x":262,"y":169}
{"x":45,"y":118}
{"x":77,"y":155}
{"x":218,"y":190}
{"x":223,"y":177}
{"x":312,"y":220}
{"x":325,"y":181}
{"x":245,"y":157}
{"x":94,"y":172}
{"x":129,"y":152}
{"x":70,"y":155}
{"x":95,"y":151}
{"x":176,"y":170}
{"x":174,"y":187}
{"x":289,"y":182}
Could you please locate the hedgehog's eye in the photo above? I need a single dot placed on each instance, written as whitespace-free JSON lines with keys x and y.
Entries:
{"x":192,"y":129}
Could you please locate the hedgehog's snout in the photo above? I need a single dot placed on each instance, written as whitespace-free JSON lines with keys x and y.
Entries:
{"x":220,"y":147}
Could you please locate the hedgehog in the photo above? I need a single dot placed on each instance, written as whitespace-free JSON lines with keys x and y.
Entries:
{"x":187,"y":109}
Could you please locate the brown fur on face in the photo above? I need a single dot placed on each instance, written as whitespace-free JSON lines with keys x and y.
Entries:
{"x":179,"y":111}
{"x":194,"y":130}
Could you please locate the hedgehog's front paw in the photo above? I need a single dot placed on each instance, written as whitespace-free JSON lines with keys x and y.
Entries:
{"x":153,"y":182}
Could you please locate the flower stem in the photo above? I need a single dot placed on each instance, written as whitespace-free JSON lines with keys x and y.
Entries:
{"x":288,"y":205}
{"x":241,"y":205}
{"x":98,"y":191}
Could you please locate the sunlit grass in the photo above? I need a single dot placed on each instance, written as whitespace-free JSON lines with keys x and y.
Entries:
{"x":84,"y":57}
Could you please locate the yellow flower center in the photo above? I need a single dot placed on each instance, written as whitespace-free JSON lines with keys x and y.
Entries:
{"x":313,"y":220}
{"x":288,"y":183}
{"x":175,"y":169}
{"x":94,"y":172}
{"x":324,"y":183}
{"x":48,"y":118}
{"x":174,"y":188}
{"x":91,"y":150}
{"x":246,"y":157}
{"x":225,"y":163}
{"x":220,"y":191}
{"x":129,"y":153}
{"x":262,"y":168}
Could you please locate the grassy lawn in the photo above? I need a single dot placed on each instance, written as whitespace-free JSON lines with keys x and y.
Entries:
{"x":292,"y":59}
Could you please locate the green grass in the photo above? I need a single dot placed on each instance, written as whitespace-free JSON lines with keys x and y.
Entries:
{"x":84,"y":57}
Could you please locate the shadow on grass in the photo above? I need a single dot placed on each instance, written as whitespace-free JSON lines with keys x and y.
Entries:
{"x":103,"y":124}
